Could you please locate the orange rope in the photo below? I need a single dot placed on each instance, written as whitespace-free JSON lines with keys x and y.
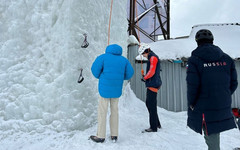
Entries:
{"x":109,"y":24}
{"x":136,"y":13}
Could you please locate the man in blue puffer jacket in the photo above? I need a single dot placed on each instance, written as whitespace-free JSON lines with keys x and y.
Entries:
{"x":111,"y":69}
{"x":211,"y":80}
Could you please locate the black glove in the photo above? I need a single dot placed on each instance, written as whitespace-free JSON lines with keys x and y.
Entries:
{"x":143,"y":80}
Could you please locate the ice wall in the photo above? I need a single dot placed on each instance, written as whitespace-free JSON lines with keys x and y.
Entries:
{"x":40,"y":58}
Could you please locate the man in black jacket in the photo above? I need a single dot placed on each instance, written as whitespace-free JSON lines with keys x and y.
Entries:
{"x":211,"y":80}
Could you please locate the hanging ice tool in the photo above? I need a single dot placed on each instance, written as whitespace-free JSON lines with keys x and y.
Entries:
{"x":85,"y":42}
{"x":80,"y":79}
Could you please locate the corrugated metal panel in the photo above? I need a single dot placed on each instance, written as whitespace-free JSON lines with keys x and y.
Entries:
{"x":236,"y":95}
{"x":173,"y":93}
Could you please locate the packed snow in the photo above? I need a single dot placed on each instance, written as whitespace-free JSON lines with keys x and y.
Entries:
{"x":133,"y":118}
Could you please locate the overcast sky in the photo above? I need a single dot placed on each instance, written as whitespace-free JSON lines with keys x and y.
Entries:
{"x":187,"y":13}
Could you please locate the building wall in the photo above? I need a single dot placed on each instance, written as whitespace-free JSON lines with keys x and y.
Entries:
{"x":173,"y":92}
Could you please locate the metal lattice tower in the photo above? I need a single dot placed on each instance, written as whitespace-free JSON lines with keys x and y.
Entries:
{"x":151,"y":19}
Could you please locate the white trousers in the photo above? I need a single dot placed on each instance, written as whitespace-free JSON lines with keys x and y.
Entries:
{"x":102,"y":115}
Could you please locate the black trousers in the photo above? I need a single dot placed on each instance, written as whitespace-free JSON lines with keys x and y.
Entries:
{"x":151,"y":103}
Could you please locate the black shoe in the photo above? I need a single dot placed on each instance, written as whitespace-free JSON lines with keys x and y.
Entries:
{"x":159,"y":127}
{"x":96,"y":139}
{"x":150,"y":130}
{"x":114,"y":138}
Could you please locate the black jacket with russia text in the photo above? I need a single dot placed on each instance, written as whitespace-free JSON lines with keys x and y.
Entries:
{"x":211,"y":80}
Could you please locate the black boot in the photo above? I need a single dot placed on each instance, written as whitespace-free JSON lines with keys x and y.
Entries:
{"x":150,"y":130}
{"x":114,"y":138}
{"x":96,"y":139}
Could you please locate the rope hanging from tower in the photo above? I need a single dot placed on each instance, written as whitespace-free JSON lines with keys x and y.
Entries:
{"x":109,"y":24}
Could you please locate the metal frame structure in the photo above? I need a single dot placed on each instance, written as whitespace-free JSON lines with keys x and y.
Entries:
{"x":133,"y":20}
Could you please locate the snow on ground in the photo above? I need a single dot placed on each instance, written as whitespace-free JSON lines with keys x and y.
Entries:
{"x":174,"y":135}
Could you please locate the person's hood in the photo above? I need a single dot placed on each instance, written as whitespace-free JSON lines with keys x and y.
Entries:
{"x":208,"y":52}
{"x":114,"y":49}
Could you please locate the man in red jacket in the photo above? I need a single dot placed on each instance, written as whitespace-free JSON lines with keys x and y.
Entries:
{"x":153,"y":83}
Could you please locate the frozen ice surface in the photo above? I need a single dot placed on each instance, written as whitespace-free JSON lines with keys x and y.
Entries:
{"x":41,"y":56}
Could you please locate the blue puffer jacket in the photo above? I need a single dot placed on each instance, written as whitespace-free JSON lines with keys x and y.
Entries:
{"x":211,"y":80}
{"x":111,"y":69}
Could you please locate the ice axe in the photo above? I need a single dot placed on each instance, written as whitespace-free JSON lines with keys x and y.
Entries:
{"x":85,"y":42}
{"x":81,"y":78}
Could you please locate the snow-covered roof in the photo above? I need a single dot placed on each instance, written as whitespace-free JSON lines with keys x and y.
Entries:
{"x":226,"y":36}
{"x":132,"y":40}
